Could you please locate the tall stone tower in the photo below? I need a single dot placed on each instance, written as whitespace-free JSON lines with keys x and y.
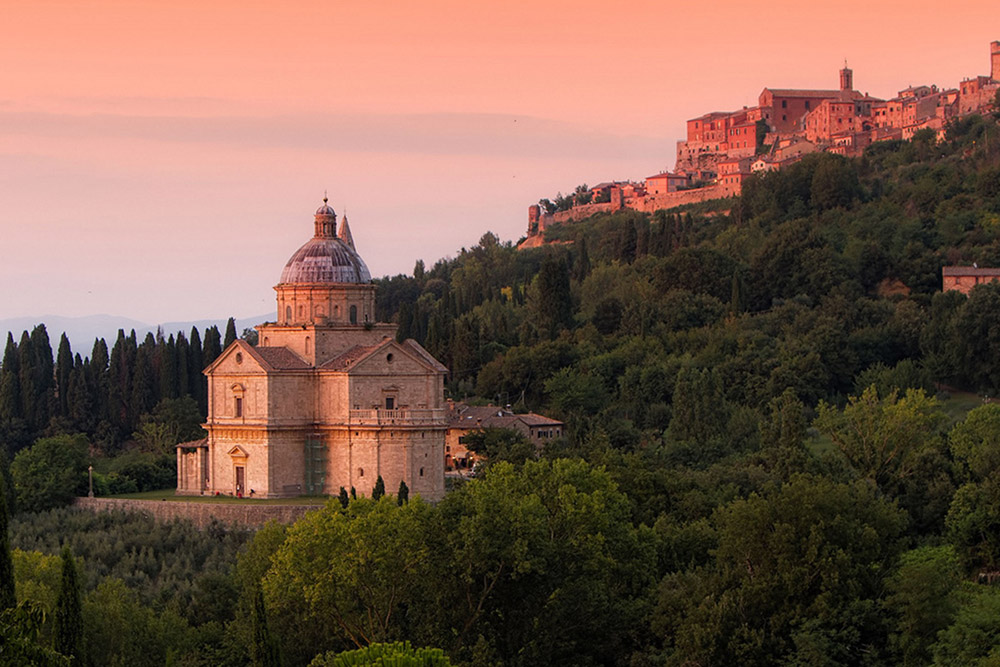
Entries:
{"x":846,"y":79}
{"x":995,"y":60}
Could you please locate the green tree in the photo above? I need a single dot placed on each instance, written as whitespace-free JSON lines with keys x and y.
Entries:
{"x":922,"y":601}
{"x":975,"y":443}
{"x":973,"y":638}
{"x":795,"y":579}
{"x":21,"y":641}
{"x":173,"y":420}
{"x":403,"y":494}
{"x":549,"y":299}
{"x":882,"y":438}
{"x":7,"y":598}
{"x":230,"y":333}
{"x":379,"y":490}
{"x":396,"y":654}
{"x":263,"y":649}
{"x":545,"y":565}
{"x":343,"y":498}
{"x":50,"y":473}
{"x":348,"y":577}
{"x":495,"y":445}
{"x":69,"y":612}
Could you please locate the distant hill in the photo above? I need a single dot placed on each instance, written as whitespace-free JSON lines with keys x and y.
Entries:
{"x":82,"y":331}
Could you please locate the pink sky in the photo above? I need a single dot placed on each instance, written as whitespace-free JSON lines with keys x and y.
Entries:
{"x":161,"y":160}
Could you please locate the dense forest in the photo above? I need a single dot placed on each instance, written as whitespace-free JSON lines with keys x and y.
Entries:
{"x":780,"y":449}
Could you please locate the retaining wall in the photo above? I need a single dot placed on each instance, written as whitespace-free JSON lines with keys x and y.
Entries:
{"x":250,"y":515}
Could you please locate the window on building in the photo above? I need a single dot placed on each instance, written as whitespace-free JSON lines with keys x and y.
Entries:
{"x":784,"y":104}
{"x":239,"y":406}
{"x":288,"y":314}
{"x":361,"y":472}
{"x":390,"y":403}
{"x":421,"y":472}
{"x":807,"y":104}
{"x":354,"y":314}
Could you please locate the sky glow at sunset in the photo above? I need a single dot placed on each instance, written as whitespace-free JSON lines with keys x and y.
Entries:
{"x":162,"y":160}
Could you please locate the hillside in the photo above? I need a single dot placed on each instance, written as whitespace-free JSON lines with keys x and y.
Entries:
{"x":765,"y":462}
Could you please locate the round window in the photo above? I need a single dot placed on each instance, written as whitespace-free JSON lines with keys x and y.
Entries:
{"x":239,"y":357}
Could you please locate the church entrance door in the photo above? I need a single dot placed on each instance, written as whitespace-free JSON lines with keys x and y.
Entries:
{"x":240,"y":481}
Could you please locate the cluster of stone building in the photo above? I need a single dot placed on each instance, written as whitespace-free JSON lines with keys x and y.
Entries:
{"x":723,"y":148}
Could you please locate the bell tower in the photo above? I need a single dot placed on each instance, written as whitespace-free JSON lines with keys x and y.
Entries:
{"x":995,"y":60}
{"x":846,"y":79}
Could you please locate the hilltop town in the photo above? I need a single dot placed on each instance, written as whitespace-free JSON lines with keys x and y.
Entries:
{"x":723,"y":148}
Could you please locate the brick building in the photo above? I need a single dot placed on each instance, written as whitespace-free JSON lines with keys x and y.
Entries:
{"x":328,"y":398}
{"x":464,"y":419}
{"x":964,"y":278}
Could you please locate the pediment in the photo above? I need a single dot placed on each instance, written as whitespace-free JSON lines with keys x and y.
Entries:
{"x":240,"y":358}
{"x":391,"y":358}
{"x":237,"y":452}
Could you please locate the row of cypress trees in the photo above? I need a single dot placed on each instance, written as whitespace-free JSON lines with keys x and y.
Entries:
{"x":104,"y":394}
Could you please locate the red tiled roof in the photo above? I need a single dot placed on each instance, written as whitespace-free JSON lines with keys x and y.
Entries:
{"x":348,"y":358}
{"x":969,"y":271}
{"x":281,"y":358}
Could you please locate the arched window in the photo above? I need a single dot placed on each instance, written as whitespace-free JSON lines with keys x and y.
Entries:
{"x":308,"y":345}
{"x":354,"y":314}
{"x":288,"y":314}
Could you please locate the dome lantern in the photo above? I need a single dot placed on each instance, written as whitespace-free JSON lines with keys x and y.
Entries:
{"x":326,"y":221}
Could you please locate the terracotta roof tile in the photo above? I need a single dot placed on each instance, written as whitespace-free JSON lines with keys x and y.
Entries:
{"x":346,"y":359}
{"x":281,"y":358}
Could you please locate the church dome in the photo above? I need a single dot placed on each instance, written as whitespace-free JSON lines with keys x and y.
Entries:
{"x":325,"y":260}
{"x":327,"y":257}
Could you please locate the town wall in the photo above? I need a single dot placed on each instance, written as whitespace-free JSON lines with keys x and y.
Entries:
{"x":248,"y":515}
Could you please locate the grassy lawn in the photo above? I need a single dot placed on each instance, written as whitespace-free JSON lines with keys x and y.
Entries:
{"x":168,"y":495}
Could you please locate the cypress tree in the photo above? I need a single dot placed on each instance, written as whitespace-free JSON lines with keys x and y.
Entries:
{"x":183,"y":378}
{"x":196,"y":364}
{"x":10,"y":382}
{"x":143,"y":385}
{"x":119,"y":385}
{"x":581,"y":267}
{"x":167,"y":355}
{"x":737,"y":302}
{"x":554,"y":308}
{"x":98,"y":377}
{"x":343,"y":498}
{"x":26,"y":378}
{"x":403,"y":495}
{"x":263,"y":651}
{"x":230,"y":333}
{"x":642,"y":237}
{"x":629,"y":241}
{"x":354,"y":493}
{"x":69,"y":611}
{"x":212,"y":346}
{"x":81,"y":407}
{"x":379,"y":489}
{"x":43,"y":374}
{"x":64,"y":368}
{"x":7,"y":597}
{"x":405,"y":321}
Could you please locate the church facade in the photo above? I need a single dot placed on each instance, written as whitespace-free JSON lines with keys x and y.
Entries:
{"x":327,"y":399}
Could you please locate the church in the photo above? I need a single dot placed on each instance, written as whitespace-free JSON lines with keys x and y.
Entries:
{"x":327,"y":399}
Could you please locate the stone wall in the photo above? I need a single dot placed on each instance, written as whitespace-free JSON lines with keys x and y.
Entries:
{"x":249,"y":514}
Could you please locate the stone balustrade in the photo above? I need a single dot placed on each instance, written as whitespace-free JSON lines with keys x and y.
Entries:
{"x":400,"y":417}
